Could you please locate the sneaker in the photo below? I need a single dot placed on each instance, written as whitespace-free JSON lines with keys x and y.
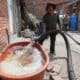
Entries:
{"x":50,"y":56}
{"x":52,"y":52}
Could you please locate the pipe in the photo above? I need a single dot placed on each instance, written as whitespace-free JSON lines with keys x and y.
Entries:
{"x":69,"y":59}
{"x":11,"y":15}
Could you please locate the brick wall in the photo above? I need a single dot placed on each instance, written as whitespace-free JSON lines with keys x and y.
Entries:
{"x":3,"y":23}
{"x":3,"y":8}
{"x":3,"y":35}
{"x":39,"y":8}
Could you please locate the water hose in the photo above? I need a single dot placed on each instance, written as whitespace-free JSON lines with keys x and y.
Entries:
{"x":72,"y":38}
{"x":71,"y":72}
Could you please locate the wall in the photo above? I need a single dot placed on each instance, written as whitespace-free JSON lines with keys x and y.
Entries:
{"x":38,"y":6}
{"x":3,"y":8}
{"x":3,"y":23}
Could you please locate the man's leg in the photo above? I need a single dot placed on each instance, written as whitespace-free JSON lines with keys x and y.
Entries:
{"x":52,"y":42}
{"x":42,"y":38}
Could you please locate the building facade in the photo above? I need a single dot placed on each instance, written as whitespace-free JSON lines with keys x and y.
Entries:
{"x":36,"y":7}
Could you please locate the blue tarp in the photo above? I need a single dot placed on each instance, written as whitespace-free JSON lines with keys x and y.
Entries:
{"x":73,"y":22}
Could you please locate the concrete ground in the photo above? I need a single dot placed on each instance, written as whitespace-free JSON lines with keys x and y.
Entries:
{"x":61,"y":52}
{"x":60,"y":63}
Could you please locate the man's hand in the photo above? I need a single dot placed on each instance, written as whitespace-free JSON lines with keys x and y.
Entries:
{"x":60,"y":29}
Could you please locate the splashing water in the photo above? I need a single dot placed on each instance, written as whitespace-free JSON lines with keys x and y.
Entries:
{"x":22,"y":60}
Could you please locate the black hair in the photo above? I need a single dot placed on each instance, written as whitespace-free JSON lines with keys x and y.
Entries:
{"x":50,"y":4}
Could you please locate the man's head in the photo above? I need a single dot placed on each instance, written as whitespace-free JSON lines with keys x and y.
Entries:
{"x":50,"y":8}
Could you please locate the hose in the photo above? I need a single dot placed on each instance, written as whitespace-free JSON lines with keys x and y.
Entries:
{"x":69,"y":59}
{"x":78,"y":43}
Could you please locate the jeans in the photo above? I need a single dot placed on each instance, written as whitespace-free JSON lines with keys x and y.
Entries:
{"x":52,"y":40}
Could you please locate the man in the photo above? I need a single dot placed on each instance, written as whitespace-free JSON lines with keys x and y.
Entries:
{"x":50,"y":20}
{"x":73,"y":22}
{"x":65,"y":22}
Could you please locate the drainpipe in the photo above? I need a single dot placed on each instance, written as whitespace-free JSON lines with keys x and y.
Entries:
{"x":14,"y":16}
{"x":11,"y":15}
